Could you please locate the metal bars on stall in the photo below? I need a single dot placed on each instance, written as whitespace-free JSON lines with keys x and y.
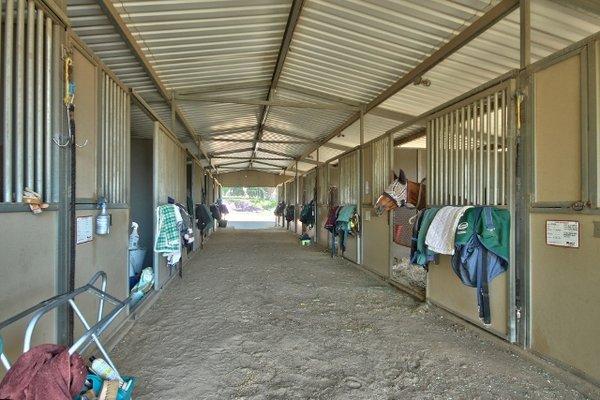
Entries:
{"x":381,"y":166}
{"x":349,"y":185}
{"x":469,"y":149}
{"x":27,"y":70}
{"x":323,"y":190}
{"x":115,"y":142}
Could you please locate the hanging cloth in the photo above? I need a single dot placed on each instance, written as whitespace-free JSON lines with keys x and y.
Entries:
{"x":440,"y":236}
{"x":421,"y":255}
{"x":168,"y":237}
{"x":45,"y":372}
{"x":342,"y":224}
{"x":482,"y":252}
{"x":307,"y":215}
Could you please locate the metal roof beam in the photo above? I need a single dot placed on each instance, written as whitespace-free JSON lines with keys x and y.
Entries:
{"x":288,"y":134}
{"x":231,"y":131}
{"x":115,"y":19}
{"x":229,"y":163}
{"x":220,"y":153}
{"x":269,"y":164}
{"x":292,"y":22}
{"x":256,"y":158}
{"x":410,"y":138}
{"x":269,"y":103}
{"x":496,"y":13}
{"x":276,"y":153}
{"x":227,"y":87}
{"x":309,"y":161}
{"x":390,"y":114}
{"x":262,"y":141}
{"x":317,"y":94}
{"x":337,"y":146}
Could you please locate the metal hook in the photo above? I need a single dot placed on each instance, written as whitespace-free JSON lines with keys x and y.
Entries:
{"x":82,"y":145}
{"x":65,"y":144}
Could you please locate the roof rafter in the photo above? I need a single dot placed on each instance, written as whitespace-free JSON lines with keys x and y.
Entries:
{"x":292,"y":22}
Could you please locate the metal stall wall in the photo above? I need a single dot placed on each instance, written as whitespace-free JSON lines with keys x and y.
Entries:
{"x":563,"y":276}
{"x":169,"y":181}
{"x":30,"y":42}
{"x":29,"y":93}
{"x":293,"y":196}
{"x":376,"y":229}
{"x":299,"y":201}
{"x":322,"y":201}
{"x":102,"y":108}
{"x":197,"y":191}
{"x":470,"y":152}
{"x":115,"y":142}
{"x":310,"y":185}
{"x":349,"y":169}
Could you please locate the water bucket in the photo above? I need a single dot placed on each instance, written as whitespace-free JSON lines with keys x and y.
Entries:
{"x":136,"y":261}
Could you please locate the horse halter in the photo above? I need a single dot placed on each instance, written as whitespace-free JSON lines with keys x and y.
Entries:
{"x":394,"y":195}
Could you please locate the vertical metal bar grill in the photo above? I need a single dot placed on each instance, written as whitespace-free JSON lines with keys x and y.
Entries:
{"x":114,"y":141}
{"x":381,"y":166}
{"x":27,"y":64}
{"x":468,"y":151}
{"x":349,"y":169}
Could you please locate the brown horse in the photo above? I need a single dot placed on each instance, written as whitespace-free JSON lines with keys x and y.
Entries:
{"x":400,"y":193}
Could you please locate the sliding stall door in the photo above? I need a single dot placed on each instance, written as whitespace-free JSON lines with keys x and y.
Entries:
{"x":564,"y":321}
{"x":470,"y":155}
{"x":169,"y":181}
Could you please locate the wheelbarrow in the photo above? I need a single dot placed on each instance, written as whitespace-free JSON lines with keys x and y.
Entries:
{"x":91,"y":334}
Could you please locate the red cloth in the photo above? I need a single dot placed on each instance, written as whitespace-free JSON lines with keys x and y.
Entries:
{"x":45,"y":372}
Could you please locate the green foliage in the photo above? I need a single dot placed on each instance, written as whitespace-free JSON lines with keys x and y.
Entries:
{"x":261,"y":197}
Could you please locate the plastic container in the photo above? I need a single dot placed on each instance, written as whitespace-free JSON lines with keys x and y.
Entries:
{"x":103,"y":219}
{"x":136,"y":261}
{"x":124,"y":394}
{"x":134,"y":236}
{"x":104,"y":370}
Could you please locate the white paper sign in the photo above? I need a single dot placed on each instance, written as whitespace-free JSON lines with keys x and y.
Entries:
{"x":562,"y":233}
{"x":85,"y":229}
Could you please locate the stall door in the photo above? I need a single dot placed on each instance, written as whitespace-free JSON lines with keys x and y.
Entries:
{"x":169,"y":181}
{"x":564,"y":322}
{"x":470,"y":162}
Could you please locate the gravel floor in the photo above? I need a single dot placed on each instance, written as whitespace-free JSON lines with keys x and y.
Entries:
{"x":259,"y":317}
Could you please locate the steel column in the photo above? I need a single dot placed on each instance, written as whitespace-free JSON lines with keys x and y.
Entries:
{"x":48,"y":93}
{"x":19,"y":127}
{"x":29,"y":96}
{"x":39,"y":105}
{"x":7,"y":132}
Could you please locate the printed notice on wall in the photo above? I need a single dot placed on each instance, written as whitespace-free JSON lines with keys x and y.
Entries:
{"x":85,"y":229}
{"x":562,"y":233}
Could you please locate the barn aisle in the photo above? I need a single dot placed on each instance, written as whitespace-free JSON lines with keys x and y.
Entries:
{"x":259,"y":317}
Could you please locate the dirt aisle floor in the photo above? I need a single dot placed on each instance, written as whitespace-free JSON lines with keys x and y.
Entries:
{"x":259,"y":317}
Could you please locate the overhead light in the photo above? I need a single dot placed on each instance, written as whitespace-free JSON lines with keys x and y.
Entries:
{"x":422,"y":81}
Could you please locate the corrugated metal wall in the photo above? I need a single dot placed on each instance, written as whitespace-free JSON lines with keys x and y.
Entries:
{"x":323,"y":189}
{"x":115,"y":141}
{"x":310,"y":185}
{"x":170,"y":170}
{"x":349,"y":170}
{"x":28,"y":64}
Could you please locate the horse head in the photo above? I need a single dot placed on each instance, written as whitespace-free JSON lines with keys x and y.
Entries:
{"x":394,"y":195}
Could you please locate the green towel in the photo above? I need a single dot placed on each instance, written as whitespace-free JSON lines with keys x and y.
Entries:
{"x":168,"y":239}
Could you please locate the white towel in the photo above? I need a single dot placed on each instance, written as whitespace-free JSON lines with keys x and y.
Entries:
{"x":440,"y":236}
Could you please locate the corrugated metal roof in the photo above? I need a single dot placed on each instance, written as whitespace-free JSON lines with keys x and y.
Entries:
{"x":341,"y":50}
{"x":495,"y":52}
